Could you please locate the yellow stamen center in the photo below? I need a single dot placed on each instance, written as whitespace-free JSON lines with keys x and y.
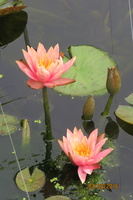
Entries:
{"x":82,"y":149}
{"x":45,"y":62}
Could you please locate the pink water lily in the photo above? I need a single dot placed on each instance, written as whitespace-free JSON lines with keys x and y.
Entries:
{"x":45,"y":68}
{"x":84,"y":152}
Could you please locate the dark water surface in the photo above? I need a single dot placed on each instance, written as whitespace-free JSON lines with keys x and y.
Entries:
{"x":103,"y":24}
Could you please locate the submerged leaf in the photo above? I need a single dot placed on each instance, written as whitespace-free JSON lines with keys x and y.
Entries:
{"x":89,"y":71}
{"x":32,"y":181}
{"x":6,"y":122}
{"x":129,"y":99}
{"x":125,"y":113}
{"x":11,"y":7}
{"x":9,"y":119}
{"x":58,"y":197}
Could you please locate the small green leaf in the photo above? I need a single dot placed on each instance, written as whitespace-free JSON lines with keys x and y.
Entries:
{"x":1,"y":75}
{"x":6,"y":122}
{"x":129,"y":99}
{"x":9,"y":119}
{"x":89,"y":71}
{"x":58,"y":197}
{"x":125,"y":113}
{"x":5,"y":131}
{"x":32,"y":182}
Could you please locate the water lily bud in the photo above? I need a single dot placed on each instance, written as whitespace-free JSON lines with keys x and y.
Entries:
{"x":113,"y":82}
{"x":88,"y":109}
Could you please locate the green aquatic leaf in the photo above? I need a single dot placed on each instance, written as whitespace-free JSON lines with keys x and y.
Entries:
{"x":33,"y":181}
{"x":12,"y":26}
{"x":6,"y":122}
{"x":89,"y":71}
{"x":125,"y":113}
{"x":11,"y":7}
{"x":129,"y":99}
{"x":3,"y":2}
{"x":58,"y":197}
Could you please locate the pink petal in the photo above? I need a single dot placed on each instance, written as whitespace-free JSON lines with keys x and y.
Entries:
{"x":30,"y":74}
{"x":92,"y":139}
{"x":33,"y":54}
{"x":96,"y":166}
{"x":88,"y":169}
{"x":56,"y":50}
{"x":41,"y":50}
{"x":53,"y":53}
{"x":69,"y":135}
{"x":99,"y":146}
{"x":102,"y":154}
{"x":35,"y":84}
{"x":56,"y":69}
{"x":68,"y":64}
{"x":63,"y":81}
{"x":100,"y":137}
{"x":43,"y":74}
{"x":25,"y":68}
{"x":22,"y":65}
{"x":56,"y":76}
{"x":61,"y":144}
{"x":82,"y":174}
{"x":29,"y":60}
{"x":78,"y":159}
{"x":50,"y":85}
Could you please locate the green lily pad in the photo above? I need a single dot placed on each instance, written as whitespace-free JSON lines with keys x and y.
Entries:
{"x":58,"y":197}
{"x":12,"y":26}
{"x":6,"y":122}
{"x":89,"y":71}
{"x":11,"y":7}
{"x":32,"y":181}
{"x":129,"y":99}
{"x":125,"y":113}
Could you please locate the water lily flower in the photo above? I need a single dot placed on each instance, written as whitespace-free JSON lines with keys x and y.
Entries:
{"x":84,"y":152}
{"x":45,"y":68}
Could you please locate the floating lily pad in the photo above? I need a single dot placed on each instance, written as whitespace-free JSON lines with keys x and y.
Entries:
{"x":129,"y":99}
{"x":11,"y":7}
{"x":12,"y":26}
{"x":6,"y":122}
{"x":89,"y":71}
{"x":32,"y":181}
{"x":125,"y":113}
{"x":58,"y":197}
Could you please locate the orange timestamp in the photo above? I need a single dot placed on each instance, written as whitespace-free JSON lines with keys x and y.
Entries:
{"x":103,"y":186}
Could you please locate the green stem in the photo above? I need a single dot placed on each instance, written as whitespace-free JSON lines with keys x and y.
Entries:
{"x":26,"y":37}
{"x":108,"y":105}
{"x":47,"y":115}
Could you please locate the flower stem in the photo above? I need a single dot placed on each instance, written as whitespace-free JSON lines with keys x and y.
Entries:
{"x":108,"y":105}
{"x":47,"y":115}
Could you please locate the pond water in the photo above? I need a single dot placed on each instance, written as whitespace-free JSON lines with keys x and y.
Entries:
{"x":103,"y":24}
